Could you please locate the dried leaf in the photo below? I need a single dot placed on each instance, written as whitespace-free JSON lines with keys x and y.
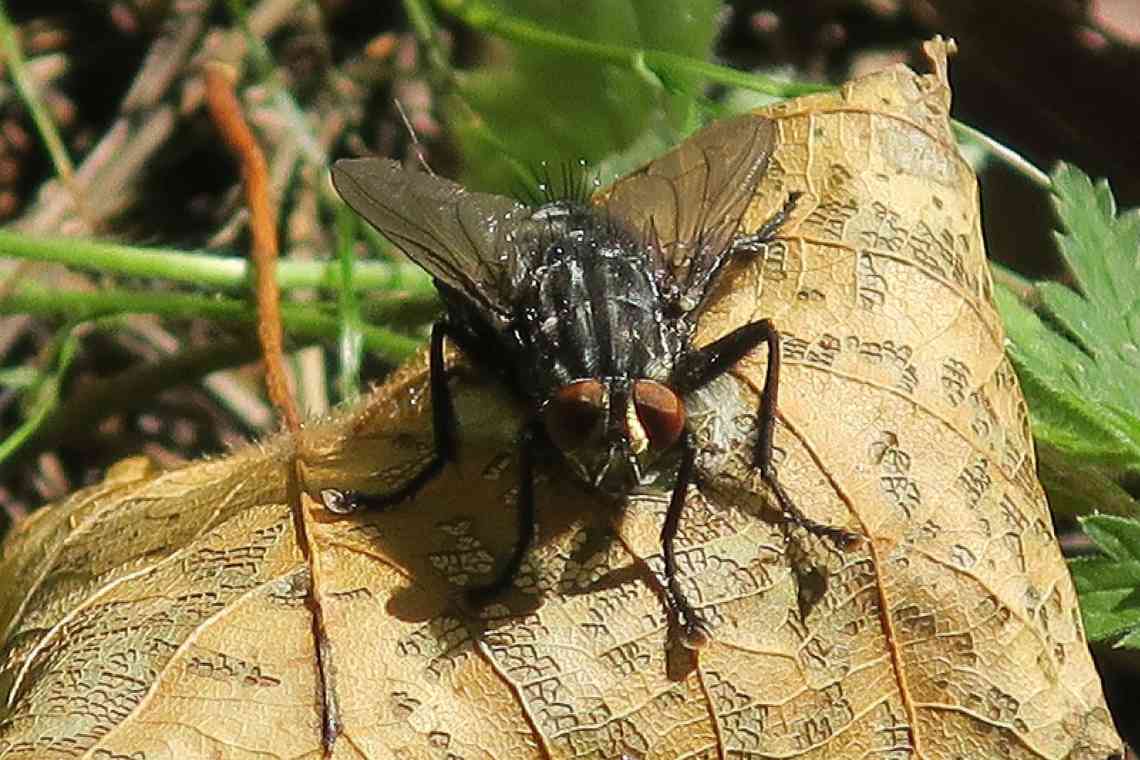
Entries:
{"x":165,"y":615}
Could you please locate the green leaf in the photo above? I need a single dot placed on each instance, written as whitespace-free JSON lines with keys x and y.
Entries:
{"x":1072,"y":486}
{"x":546,"y":106}
{"x":1110,"y":598}
{"x":1117,"y":537}
{"x":1131,"y":641}
{"x":1054,"y":373}
{"x":1109,"y":586}
{"x":1077,"y":349}
{"x":1100,"y":248}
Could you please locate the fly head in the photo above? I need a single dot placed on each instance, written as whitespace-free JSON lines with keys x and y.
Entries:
{"x":612,"y":432}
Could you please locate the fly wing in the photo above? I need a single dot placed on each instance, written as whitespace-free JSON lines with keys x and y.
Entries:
{"x":459,"y":237}
{"x":689,"y":203}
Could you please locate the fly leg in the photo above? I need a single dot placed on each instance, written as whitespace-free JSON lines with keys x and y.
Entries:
{"x":706,"y":275}
{"x":344,"y":502}
{"x":695,"y":634}
{"x":764,"y":331}
{"x":477,"y":596}
{"x":703,"y":366}
{"x":751,"y":243}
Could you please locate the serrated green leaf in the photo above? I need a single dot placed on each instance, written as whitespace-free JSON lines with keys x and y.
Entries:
{"x":1074,"y":486}
{"x":1131,"y":641}
{"x":1067,"y":308}
{"x":1099,"y":247}
{"x":1110,"y":597}
{"x":1078,"y":351}
{"x":1117,"y":537}
{"x":1052,"y":371}
{"x":1109,"y":586}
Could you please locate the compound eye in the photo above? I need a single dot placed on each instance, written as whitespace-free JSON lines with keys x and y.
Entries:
{"x":574,"y":416}
{"x":660,"y":412}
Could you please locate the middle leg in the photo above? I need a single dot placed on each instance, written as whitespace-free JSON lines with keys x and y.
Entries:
{"x":718,"y":357}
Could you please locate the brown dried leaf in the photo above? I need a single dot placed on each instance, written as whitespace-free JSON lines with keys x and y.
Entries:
{"x":164,"y":615}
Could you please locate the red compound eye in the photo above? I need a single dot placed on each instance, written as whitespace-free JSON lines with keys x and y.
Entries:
{"x":660,"y":411}
{"x":575,"y":414}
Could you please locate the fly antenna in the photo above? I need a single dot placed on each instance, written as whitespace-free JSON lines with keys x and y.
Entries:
{"x":421,"y":153}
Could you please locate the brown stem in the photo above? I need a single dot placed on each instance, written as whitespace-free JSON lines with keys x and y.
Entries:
{"x":227,"y":115}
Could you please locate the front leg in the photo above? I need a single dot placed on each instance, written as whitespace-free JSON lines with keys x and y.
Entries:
{"x":478,"y":596}
{"x":345,"y":501}
{"x":695,"y":634}
{"x":703,"y":366}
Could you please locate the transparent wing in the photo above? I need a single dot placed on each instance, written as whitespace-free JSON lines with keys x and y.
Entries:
{"x":459,"y":237}
{"x":689,"y":203}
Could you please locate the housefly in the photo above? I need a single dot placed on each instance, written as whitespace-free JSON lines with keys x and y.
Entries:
{"x":587,"y":312}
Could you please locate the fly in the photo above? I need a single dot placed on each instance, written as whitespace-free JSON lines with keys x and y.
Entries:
{"x":587,"y":313}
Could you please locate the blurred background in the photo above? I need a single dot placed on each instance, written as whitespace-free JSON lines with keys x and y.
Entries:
{"x":120,"y":81}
